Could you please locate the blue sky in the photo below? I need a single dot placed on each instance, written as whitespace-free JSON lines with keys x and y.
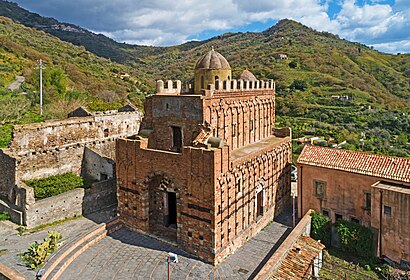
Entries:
{"x":385,"y":25}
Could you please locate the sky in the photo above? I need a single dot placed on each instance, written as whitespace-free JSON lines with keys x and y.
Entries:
{"x":383,"y":24}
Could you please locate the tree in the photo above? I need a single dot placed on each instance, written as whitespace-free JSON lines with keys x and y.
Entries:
{"x":298,"y":85}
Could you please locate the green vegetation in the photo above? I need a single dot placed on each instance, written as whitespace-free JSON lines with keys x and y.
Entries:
{"x":38,"y":252}
{"x":55,"y":185}
{"x":329,"y":87}
{"x":4,"y":216}
{"x":72,"y":77}
{"x":354,"y":238}
{"x":321,"y":228}
{"x":5,"y":135}
{"x":338,"y":264}
{"x":49,"y":225}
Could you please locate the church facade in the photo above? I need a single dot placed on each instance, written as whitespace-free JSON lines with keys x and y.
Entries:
{"x":208,"y":169}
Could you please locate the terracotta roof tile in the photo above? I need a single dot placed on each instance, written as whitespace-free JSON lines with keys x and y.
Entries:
{"x":393,"y":168}
{"x":296,"y":264}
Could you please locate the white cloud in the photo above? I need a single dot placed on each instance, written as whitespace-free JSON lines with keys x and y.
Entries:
{"x":394,"y":47}
{"x":168,"y":22}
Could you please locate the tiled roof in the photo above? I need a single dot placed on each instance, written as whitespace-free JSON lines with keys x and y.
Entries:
{"x":296,"y":265}
{"x":393,"y":168}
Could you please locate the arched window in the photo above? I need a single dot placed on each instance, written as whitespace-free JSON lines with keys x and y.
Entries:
{"x":216,"y":82}
{"x":202,"y":82}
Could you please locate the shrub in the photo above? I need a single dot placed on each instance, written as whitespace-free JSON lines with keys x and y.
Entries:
{"x":321,"y":228}
{"x":354,"y":238}
{"x":37,"y":253}
{"x":55,"y":185}
{"x":4,"y":216}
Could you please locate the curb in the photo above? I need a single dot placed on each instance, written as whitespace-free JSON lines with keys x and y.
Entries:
{"x":10,"y":273}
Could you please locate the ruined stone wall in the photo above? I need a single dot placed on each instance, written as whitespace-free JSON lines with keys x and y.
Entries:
{"x":265,"y":177}
{"x":7,"y":172}
{"x":74,"y":130}
{"x":241,"y":118}
{"x":97,"y":167}
{"x":70,"y":204}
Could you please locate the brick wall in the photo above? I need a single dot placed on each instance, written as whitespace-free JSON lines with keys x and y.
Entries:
{"x":241,"y":118}
{"x":236,"y":195}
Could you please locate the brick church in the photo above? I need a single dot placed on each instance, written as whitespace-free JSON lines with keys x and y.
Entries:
{"x":208,"y":169}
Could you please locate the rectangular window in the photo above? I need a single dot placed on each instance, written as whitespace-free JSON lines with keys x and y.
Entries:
{"x":367,"y":200}
{"x":387,"y":210}
{"x":338,"y":217}
{"x":177,"y":138}
{"x":319,"y":189}
{"x":326,"y":213}
{"x":354,"y":220}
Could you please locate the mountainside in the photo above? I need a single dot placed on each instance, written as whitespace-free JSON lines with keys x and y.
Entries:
{"x":327,"y":86}
{"x":72,"y":76}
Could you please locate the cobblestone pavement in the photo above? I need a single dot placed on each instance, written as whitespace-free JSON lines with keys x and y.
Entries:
{"x":11,"y":244}
{"x":131,"y":255}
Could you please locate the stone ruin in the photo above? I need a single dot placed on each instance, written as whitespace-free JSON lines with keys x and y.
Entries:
{"x":83,"y":144}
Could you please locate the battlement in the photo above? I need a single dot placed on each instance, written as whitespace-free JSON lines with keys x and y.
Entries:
{"x":169,"y":87}
{"x":241,"y":85}
{"x":174,"y":87}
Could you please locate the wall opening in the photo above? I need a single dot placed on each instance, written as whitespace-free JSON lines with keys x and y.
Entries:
{"x":106,"y":131}
{"x":259,"y":204}
{"x":172,"y":210}
{"x":202,"y":82}
{"x":177,"y":138}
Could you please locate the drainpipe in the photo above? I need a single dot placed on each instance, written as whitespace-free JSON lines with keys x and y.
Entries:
{"x":380,"y":227}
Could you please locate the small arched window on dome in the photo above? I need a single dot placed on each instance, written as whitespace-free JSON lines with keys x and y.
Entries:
{"x":216,"y":82}
{"x":202,"y":82}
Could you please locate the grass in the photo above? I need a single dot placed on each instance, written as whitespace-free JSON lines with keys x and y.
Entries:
{"x":52,"y":224}
{"x":338,"y":264}
{"x":4,"y":216}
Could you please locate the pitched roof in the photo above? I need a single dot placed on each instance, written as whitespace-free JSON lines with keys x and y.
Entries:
{"x":297,"y":263}
{"x":393,"y":168}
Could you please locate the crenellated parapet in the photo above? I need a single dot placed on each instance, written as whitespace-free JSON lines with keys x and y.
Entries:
{"x":168,"y":87}
{"x":239,"y":86}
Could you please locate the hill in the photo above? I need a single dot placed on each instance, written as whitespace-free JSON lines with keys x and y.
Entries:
{"x":327,"y":86}
{"x":72,"y":76}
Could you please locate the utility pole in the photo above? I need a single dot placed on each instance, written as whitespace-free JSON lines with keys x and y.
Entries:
{"x":41,"y":87}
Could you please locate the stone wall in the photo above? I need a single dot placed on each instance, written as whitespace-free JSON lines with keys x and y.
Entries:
{"x":74,"y":130}
{"x":70,"y":204}
{"x":7,"y":173}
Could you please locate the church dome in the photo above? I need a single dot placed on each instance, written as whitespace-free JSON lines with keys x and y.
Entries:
{"x":246,"y":75}
{"x":212,"y":60}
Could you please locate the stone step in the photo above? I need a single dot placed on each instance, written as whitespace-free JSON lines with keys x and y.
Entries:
{"x":67,"y":253}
